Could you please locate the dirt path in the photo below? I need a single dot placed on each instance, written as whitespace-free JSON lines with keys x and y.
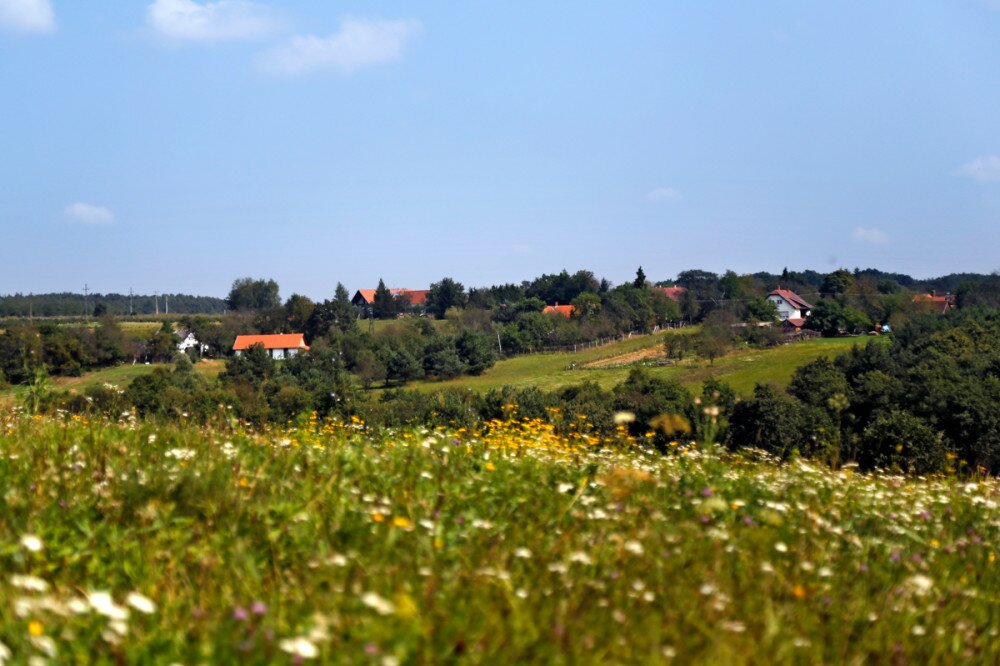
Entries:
{"x":625,"y":359}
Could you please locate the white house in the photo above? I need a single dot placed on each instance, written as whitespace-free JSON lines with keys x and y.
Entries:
{"x":280,"y":346}
{"x":790,"y":305}
{"x":188,"y":341}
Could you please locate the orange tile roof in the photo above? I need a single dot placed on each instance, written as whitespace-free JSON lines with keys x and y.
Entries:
{"x":417,"y":296}
{"x":564,"y":310}
{"x":278,"y":341}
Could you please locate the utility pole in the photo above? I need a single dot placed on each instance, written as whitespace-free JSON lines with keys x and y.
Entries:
{"x":166,"y":303}
{"x":130,"y":301}
{"x":156,"y":301}
{"x":86,"y":291}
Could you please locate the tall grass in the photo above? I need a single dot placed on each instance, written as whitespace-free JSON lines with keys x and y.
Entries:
{"x":512,"y":546}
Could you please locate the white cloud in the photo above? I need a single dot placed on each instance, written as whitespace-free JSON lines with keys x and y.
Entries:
{"x":982,"y":169}
{"x":359,"y":43}
{"x":27,"y":15}
{"x":873,"y":235}
{"x":89,"y":213}
{"x":663,"y":194}
{"x":210,"y":21}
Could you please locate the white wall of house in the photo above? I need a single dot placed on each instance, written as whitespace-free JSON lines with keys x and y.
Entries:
{"x":276,"y":354}
{"x":785,"y":309}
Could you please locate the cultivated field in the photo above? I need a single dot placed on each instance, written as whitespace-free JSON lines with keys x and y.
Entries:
{"x":133,"y":543}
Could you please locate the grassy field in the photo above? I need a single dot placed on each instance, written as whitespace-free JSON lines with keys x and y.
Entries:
{"x":119,"y":375}
{"x":380,"y":325}
{"x":137,"y":543}
{"x":742,"y":369}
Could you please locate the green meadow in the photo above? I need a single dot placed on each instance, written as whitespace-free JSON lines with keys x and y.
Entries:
{"x":742,"y":368}
{"x":135,"y":543}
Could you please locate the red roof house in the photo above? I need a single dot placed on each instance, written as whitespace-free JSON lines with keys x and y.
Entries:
{"x":790,"y":305}
{"x":278,"y":346}
{"x":934,"y":302}
{"x":365,"y":297}
{"x":673,"y":293}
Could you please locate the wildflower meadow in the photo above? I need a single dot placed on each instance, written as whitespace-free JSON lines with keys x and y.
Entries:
{"x":137,"y":542}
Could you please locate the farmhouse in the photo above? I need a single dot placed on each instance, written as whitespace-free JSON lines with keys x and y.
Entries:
{"x":281,"y":346}
{"x":366,"y":297}
{"x":934,"y":302}
{"x":563,"y":310}
{"x":790,"y":305}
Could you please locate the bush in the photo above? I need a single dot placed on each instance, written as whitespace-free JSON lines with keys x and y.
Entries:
{"x":899,"y":440}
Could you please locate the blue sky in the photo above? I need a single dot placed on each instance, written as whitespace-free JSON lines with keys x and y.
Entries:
{"x":175,"y":145}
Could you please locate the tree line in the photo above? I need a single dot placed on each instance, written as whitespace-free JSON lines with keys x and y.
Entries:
{"x":95,"y":305}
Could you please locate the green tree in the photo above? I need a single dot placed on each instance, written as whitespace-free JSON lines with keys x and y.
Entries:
{"x":298,"y":309}
{"x":476,"y":350}
{"x":831,"y":318}
{"x":441,"y":359}
{"x":650,"y":398}
{"x":252,"y":367}
{"x":732,"y":286}
{"x":676,"y":345}
{"x":341,"y":294}
{"x":767,"y":421}
{"x":716,"y":336}
{"x":821,"y":384}
{"x":328,"y":317}
{"x":383,"y":304}
{"x":900,"y":440}
{"x":587,"y":305}
{"x":20,"y":352}
{"x":253,"y":294}
{"x":109,"y":342}
{"x":162,"y":345}
{"x":443,"y":295}
{"x":837,"y":282}
{"x":640,"y":279}
{"x":761,"y":309}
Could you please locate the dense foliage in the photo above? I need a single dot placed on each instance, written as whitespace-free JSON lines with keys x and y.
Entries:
{"x":925,"y":401}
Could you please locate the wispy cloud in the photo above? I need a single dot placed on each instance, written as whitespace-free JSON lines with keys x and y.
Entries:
{"x":209,"y":21}
{"x":663,"y":194}
{"x":27,"y":16}
{"x":358,"y":44}
{"x":982,"y":169}
{"x":89,"y":213}
{"x":873,"y":236}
